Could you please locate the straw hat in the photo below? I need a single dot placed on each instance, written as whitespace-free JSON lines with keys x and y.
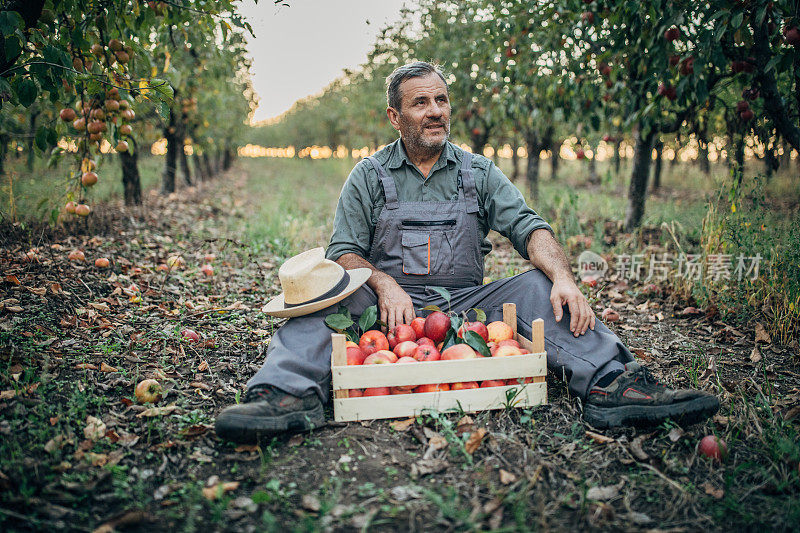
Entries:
{"x":310,"y":283}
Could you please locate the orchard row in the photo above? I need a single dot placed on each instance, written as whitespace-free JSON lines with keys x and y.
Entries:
{"x":120,"y":75}
{"x":533,"y":74}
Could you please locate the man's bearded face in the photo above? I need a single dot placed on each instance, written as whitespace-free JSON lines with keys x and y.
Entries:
{"x":424,"y":117}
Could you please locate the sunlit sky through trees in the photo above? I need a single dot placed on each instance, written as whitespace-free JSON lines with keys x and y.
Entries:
{"x":299,"y":49}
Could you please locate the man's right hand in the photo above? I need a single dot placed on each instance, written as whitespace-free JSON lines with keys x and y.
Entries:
{"x":394,"y":304}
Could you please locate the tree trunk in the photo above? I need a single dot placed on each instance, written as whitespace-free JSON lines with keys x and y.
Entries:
{"x":34,"y":115}
{"x":555,"y":158}
{"x":770,"y":160}
{"x":514,"y":162}
{"x":534,"y":147}
{"x":3,"y":152}
{"x":171,"y":161}
{"x":199,"y":171}
{"x":227,"y":160}
{"x":131,"y":183}
{"x":659,"y":145}
{"x":702,"y":157}
{"x":637,"y":192}
{"x":617,"y":155}
{"x":737,"y":161}
{"x":207,"y":165}
{"x":183,"y":159}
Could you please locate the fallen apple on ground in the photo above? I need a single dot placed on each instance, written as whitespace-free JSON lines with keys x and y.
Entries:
{"x":148,"y":391}
{"x":190,"y":334}
{"x":713,"y":447}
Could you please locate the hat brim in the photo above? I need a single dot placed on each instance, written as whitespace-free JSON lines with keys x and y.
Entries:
{"x":277,"y":306}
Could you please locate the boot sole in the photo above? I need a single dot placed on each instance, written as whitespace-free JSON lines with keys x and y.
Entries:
{"x":684,"y":413}
{"x":242,"y":428}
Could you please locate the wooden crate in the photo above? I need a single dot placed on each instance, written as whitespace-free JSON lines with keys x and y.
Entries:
{"x":533,"y":365}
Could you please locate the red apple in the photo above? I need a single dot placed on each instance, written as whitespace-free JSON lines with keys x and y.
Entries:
{"x":76,"y":255}
{"x":505,"y":351}
{"x":377,"y":391}
{"x":426,"y":352}
{"x":499,"y":331}
{"x":148,"y":391}
{"x":418,"y":325}
{"x":190,"y":335}
{"x":508,"y":342}
{"x":355,"y":356}
{"x":518,"y":381}
{"x":355,"y":393}
{"x":493,"y":383}
{"x":102,"y":262}
{"x":372,"y":341}
{"x":405,"y":349}
{"x":401,"y":333}
{"x":207,"y":269}
{"x":464,"y":385}
{"x":713,"y":448}
{"x":432,"y":387}
{"x":672,"y":34}
{"x":380,"y":357}
{"x":401,"y":390}
{"x":425,"y":340}
{"x":458,"y":351}
{"x":407,"y":359}
{"x":477,"y":327}
{"x":436,"y":326}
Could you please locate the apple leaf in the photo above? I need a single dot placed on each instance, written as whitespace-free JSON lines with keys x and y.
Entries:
{"x":431,"y":308}
{"x":477,"y":343}
{"x":444,"y":293}
{"x":450,"y":339}
{"x":368,"y":318}
{"x":480,"y":315}
{"x":455,"y":323}
{"x":338,"y":322}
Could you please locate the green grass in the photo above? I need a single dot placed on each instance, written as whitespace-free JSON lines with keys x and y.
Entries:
{"x":26,"y":195}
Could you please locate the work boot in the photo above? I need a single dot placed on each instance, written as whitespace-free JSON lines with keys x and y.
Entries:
{"x":636,"y":398}
{"x":266,"y":411}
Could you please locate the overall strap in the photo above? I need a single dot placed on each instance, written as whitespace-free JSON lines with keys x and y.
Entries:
{"x":389,"y":189}
{"x":468,"y":180}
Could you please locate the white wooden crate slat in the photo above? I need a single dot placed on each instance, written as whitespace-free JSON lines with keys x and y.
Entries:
{"x":394,"y":406}
{"x":483,"y":368}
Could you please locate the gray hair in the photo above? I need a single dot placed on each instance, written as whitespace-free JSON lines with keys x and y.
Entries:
{"x":417,"y":69}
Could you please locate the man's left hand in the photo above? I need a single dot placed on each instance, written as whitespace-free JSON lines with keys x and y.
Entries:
{"x":581,"y":315}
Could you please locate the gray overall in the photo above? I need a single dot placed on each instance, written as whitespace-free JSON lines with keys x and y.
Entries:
{"x":437,"y":244}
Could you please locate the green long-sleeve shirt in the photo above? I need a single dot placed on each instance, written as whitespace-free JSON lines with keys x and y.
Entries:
{"x":501,"y":205}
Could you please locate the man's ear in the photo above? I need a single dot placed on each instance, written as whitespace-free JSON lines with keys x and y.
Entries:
{"x":394,"y":117}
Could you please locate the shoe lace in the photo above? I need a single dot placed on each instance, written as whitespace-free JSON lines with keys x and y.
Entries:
{"x":647,"y":377}
{"x":259,"y":393}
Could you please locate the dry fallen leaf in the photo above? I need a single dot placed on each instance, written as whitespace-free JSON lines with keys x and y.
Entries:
{"x":86,"y":366}
{"x":402,"y":425}
{"x":107,"y":368}
{"x":95,"y":428}
{"x":602,"y":493}
{"x":715,"y":493}
{"x":636,"y":448}
{"x":755,"y":355}
{"x":474,"y":440}
{"x":246,"y":448}
{"x":506,"y":478}
{"x":310,"y":503}
{"x":203,"y":366}
{"x":158,"y":411}
{"x":762,"y":335}
{"x":212,"y":493}
{"x":598,"y":438}
{"x":675,"y":434}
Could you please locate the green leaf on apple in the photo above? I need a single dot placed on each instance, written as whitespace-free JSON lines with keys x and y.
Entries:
{"x":455,"y":323}
{"x":431,"y":308}
{"x":450,"y":339}
{"x":477,"y":343}
{"x":368,"y":318}
{"x":480,"y":315}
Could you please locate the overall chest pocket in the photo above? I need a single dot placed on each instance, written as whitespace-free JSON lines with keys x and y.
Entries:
{"x":426,"y":246}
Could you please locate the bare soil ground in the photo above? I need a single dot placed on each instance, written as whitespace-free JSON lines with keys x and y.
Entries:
{"x":77,"y":453}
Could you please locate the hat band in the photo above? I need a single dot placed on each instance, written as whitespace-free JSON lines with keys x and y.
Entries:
{"x":343,"y":283}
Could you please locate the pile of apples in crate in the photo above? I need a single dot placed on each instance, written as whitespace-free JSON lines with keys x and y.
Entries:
{"x":422,"y":341}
